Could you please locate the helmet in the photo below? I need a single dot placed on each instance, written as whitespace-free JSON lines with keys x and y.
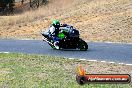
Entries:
{"x":56,"y":23}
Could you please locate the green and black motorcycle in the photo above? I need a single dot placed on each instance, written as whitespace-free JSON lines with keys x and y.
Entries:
{"x":69,"y":39}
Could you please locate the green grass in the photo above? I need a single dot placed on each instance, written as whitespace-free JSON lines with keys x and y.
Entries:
{"x":39,"y":71}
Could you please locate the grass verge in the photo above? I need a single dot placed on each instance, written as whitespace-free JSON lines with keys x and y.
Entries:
{"x":41,"y":71}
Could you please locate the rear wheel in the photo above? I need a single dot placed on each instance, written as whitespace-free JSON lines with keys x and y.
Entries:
{"x":83,"y":45}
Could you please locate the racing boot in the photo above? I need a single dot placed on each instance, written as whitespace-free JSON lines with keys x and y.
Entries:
{"x":56,"y":44}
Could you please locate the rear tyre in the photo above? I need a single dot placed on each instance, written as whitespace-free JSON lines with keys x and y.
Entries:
{"x":83,"y":46}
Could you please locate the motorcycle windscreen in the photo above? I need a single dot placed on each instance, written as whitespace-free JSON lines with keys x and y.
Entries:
{"x":74,"y":33}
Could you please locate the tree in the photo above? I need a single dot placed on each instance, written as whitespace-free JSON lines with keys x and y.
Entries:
{"x":7,"y":5}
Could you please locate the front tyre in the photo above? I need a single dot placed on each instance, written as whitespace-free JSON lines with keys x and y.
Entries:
{"x":52,"y":46}
{"x":83,"y":46}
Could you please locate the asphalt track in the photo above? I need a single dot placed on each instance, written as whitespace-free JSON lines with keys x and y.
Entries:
{"x":112,"y":52}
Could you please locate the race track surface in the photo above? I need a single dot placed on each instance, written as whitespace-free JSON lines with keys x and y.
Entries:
{"x":120,"y":53}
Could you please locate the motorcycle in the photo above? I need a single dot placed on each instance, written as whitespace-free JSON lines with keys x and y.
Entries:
{"x":69,"y":39}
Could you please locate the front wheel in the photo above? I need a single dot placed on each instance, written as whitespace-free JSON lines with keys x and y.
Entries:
{"x":52,"y":46}
{"x":83,"y":46}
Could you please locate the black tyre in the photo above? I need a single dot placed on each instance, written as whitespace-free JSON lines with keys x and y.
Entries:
{"x":83,"y":46}
{"x":53,"y":47}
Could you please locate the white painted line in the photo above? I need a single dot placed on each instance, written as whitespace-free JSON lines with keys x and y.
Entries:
{"x":111,"y":42}
{"x":71,"y":58}
{"x":98,"y":61}
{"x":5,"y":52}
{"x":129,"y":64}
{"x":121,"y":63}
{"x":88,"y":60}
{"x":103,"y":61}
{"x":111,"y":62}
{"x":92,"y":60}
{"x":82,"y":59}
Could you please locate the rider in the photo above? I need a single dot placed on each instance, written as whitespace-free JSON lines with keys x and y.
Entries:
{"x":54,"y":30}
